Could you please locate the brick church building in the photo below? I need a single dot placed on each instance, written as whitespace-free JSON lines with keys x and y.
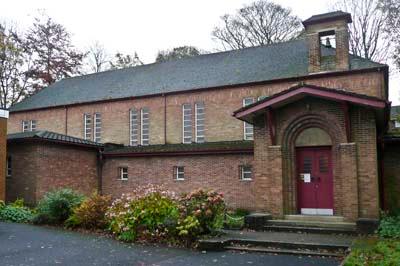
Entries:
{"x":290,"y":128}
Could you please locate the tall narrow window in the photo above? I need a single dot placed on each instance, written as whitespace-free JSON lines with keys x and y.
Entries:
{"x":25,"y":126}
{"x":179,"y":173}
{"x":87,"y":129}
{"x":246,"y":172}
{"x":33,"y":125}
{"x":247,"y":128}
{"x":9,"y":166}
{"x":187,"y":123}
{"x":123,"y":173}
{"x":200,"y":122}
{"x":134,"y":127}
{"x":145,"y":126}
{"x":97,"y":127}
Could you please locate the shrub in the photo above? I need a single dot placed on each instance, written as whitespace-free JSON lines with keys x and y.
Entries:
{"x":57,"y":206}
{"x":374,"y":252}
{"x":389,"y":226}
{"x":149,"y":212}
{"x":15,"y":212}
{"x":207,"y":206}
{"x":90,"y":214}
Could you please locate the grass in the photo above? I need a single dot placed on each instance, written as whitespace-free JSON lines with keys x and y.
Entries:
{"x":374,"y":252}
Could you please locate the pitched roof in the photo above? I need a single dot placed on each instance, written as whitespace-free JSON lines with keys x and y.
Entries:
{"x":184,"y":149}
{"x":394,"y":112}
{"x":51,"y":137}
{"x":328,"y":17}
{"x":249,"y":65}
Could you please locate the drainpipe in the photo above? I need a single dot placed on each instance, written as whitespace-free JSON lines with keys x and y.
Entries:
{"x":66,"y":120}
{"x":165,"y":118}
{"x":100,"y":163}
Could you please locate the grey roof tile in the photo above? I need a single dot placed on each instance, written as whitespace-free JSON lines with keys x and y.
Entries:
{"x":256,"y":64}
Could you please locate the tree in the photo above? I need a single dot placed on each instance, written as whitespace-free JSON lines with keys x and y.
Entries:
{"x":97,"y":58}
{"x":124,"y":61}
{"x":368,"y":37}
{"x":54,"y":57}
{"x":392,"y":27}
{"x":260,"y":23}
{"x":177,"y":53}
{"x":14,"y":66}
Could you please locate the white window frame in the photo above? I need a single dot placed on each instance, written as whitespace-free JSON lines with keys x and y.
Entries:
{"x":199,"y":134}
{"x":123,"y":173}
{"x":133,"y":127}
{"x":246,"y":126}
{"x":33,"y":124}
{"x":186,"y":123}
{"x":144,"y":139}
{"x":243,"y":172}
{"x":179,"y":170}
{"x":397,"y":124}
{"x":97,"y":127}
{"x":9,"y":166}
{"x":87,"y":126}
{"x":25,"y":126}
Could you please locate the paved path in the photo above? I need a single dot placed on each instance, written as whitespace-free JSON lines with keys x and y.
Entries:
{"x":33,"y":245}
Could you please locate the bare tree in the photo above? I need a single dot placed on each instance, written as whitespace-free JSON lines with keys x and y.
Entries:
{"x":368,"y":37}
{"x":14,"y":66}
{"x":392,"y":28}
{"x":260,"y":23}
{"x":177,"y":53}
{"x":124,"y":61}
{"x":97,"y":58}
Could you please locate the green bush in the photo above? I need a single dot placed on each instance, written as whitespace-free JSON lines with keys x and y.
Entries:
{"x":207,"y":206}
{"x":374,"y":252}
{"x":90,"y":214}
{"x":56,"y":206}
{"x":15,"y":212}
{"x":151,"y":214}
{"x":389,"y":226}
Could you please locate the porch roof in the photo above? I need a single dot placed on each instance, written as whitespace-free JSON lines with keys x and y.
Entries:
{"x":300,"y":91}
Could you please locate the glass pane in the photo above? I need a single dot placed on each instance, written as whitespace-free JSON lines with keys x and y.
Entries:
{"x":307,"y":164}
{"x":323,"y":164}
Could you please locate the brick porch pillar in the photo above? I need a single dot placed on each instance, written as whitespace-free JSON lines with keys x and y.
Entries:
{"x":3,"y":152}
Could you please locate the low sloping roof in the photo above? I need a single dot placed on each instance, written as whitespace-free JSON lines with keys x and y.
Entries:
{"x":328,"y":17}
{"x":224,"y":147}
{"x":50,"y":137}
{"x":249,"y":65}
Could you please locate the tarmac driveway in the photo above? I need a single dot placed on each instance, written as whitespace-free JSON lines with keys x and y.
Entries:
{"x":22,"y":244}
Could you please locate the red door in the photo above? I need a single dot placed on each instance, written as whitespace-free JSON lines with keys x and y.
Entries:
{"x":315,"y":181}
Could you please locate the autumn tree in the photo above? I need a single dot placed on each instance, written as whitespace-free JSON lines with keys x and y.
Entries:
{"x":97,"y":58}
{"x":123,"y":61}
{"x":14,"y":66}
{"x":177,"y":53}
{"x":54,"y":56}
{"x":260,"y":23}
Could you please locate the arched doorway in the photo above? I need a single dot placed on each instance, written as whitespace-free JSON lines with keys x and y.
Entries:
{"x":314,"y":172}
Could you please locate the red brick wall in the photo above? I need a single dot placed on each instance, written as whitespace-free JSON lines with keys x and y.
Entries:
{"x":391,"y":179}
{"x":217,"y":172}
{"x":3,"y":146}
{"x":41,"y":167}
{"x":219,"y":104}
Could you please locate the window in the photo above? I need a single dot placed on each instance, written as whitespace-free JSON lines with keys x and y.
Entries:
{"x":247,"y":128}
{"x":134,"y":127}
{"x":187,"y":123}
{"x":179,"y":172}
{"x":87,"y":131}
{"x":246,"y":172}
{"x":28,"y":125}
{"x":145,"y":126}
{"x":260,"y":98}
{"x":33,"y":125}
{"x":199,"y":122}
{"x":397,"y":124}
{"x":9,"y":167}
{"x":97,"y":127}
{"x":123,"y":173}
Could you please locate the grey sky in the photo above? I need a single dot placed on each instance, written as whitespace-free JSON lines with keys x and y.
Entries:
{"x":147,"y":26}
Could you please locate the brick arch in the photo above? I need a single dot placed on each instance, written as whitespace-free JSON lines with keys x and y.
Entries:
{"x":289,"y":132}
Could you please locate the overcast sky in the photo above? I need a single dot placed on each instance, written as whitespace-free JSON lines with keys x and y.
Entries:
{"x":147,"y":26}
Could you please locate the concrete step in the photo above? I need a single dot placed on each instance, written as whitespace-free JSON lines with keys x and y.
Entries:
{"x":320,"y":253}
{"x":315,"y":224}
{"x":314,"y":218}
{"x":309,"y":229}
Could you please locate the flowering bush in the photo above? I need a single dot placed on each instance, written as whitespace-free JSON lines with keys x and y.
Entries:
{"x":90,"y":214}
{"x":206,"y":206}
{"x":149,"y":212}
{"x":56,"y":206}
